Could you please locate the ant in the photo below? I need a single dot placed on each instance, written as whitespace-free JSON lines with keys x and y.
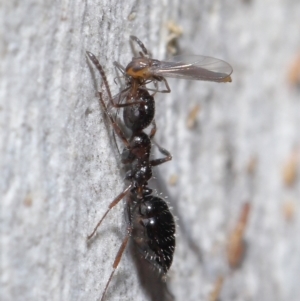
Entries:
{"x":151,"y":224}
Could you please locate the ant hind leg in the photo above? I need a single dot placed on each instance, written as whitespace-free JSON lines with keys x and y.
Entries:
{"x":111,"y":205}
{"x":117,"y":260}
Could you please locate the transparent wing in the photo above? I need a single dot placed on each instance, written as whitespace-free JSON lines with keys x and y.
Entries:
{"x":195,"y":67}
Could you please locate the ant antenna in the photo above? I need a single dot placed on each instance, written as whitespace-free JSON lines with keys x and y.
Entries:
{"x":144,"y":49}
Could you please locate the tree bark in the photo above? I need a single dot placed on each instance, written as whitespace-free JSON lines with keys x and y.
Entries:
{"x":60,"y":168}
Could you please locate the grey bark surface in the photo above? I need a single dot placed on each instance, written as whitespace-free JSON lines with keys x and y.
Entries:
{"x":60,"y":170}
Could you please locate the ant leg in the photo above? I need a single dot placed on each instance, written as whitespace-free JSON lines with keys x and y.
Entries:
{"x":119,"y":67}
{"x":119,"y":79}
{"x":114,"y":136}
{"x":161,"y":160}
{"x":105,"y":81}
{"x":116,"y":127}
{"x":124,"y":105}
{"x":156,"y":87}
{"x":144,"y":49}
{"x":167,"y":86}
{"x":168,"y":90}
{"x":161,"y":149}
{"x":111,"y":205}
{"x":103,"y":75}
{"x":117,"y":99}
{"x":156,"y":91}
{"x":153,"y":130}
{"x":117,"y":260}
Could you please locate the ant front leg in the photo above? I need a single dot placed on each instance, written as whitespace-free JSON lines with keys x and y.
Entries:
{"x":103,"y":75}
{"x":105,"y":81}
{"x":119,"y":67}
{"x":168,"y":90}
{"x":116,"y":127}
{"x":156,"y":90}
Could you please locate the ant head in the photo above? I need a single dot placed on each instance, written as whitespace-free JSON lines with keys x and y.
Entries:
{"x":138,"y":68}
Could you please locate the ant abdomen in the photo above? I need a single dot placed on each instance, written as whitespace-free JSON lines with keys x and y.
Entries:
{"x":154,"y":232}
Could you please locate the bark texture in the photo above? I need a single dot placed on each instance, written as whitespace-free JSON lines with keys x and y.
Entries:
{"x":60,"y":170}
